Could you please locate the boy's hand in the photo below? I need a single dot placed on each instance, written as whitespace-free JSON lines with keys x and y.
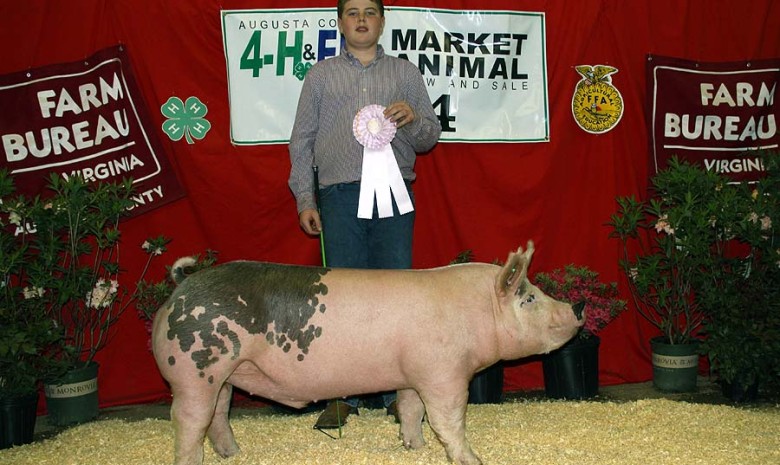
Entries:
{"x":400,"y":113}
{"x":310,"y":221}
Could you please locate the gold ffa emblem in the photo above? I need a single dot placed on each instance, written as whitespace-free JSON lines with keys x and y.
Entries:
{"x":597,"y":105}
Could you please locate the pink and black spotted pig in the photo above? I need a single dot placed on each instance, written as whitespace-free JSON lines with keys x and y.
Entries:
{"x":296,"y":334}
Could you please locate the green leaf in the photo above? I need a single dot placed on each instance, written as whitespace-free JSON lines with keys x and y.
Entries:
{"x":173,"y":108}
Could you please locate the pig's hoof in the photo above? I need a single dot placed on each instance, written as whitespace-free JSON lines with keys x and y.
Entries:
{"x":413,"y":443}
{"x":472,"y":460}
{"x":227,"y":451}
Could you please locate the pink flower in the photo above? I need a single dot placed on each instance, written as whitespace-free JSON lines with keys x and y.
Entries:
{"x":577,"y":284}
{"x":663,"y":225}
{"x":32,"y":292}
{"x":15,"y":218}
{"x":103,"y":294}
{"x":147,"y":246}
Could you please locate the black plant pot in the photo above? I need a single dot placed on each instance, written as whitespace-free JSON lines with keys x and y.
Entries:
{"x":487,"y":387}
{"x":675,"y":366}
{"x":739,"y":392}
{"x":572,"y":372}
{"x":17,"y":420}
{"x":73,"y":398}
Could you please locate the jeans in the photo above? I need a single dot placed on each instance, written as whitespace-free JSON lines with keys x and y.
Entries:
{"x":352,"y":242}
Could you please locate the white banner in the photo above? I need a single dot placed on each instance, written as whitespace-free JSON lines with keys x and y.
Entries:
{"x":486,"y":71}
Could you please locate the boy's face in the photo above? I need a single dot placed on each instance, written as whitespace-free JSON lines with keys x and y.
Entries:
{"x":361,"y":23}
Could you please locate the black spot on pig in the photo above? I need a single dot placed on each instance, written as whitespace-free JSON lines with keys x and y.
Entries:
{"x":263,"y":298}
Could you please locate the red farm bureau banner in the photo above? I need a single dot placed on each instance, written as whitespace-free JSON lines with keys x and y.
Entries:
{"x":712,"y":114}
{"x":84,"y":118}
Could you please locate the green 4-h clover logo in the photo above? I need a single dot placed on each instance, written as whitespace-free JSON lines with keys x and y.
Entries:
{"x":185,"y":119}
{"x":301,"y":69}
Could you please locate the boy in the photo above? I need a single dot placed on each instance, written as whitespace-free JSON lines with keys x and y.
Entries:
{"x":334,"y":91}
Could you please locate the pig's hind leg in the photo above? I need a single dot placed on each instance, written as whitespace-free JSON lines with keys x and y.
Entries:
{"x":192,"y":411}
{"x":411,"y":411}
{"x":220,"y":433}
{"x":446,"y":409}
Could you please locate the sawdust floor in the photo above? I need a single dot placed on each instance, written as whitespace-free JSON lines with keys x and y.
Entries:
{"x":624,"y":425}
{"x":707,"y":392}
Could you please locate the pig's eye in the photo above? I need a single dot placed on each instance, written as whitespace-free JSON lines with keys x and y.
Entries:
{"x":530,"y":299}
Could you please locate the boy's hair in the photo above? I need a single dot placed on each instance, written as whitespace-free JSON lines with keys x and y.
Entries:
{"x":341,"y":3}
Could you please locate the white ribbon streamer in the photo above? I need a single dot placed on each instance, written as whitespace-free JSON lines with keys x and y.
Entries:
{"x":381,"y":177}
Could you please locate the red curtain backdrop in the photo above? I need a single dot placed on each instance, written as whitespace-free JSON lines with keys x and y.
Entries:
{"x":489,"y":198}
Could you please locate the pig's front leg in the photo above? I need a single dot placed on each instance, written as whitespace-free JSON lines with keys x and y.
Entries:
{"x":411,"y":411}
{"x":220,"y":433}
{"x":446,"y":408}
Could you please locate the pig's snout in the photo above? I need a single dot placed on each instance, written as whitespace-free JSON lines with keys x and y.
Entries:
{"x":578,"y":308}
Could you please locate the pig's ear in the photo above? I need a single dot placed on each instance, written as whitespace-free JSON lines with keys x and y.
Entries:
{"x":514,"y":271}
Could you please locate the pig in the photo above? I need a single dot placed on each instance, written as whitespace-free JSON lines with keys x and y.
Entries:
{"x":296,"y":334}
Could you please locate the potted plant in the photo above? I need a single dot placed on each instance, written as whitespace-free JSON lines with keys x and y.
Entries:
{"x":743,"y":336}
{"x":27,"y":338}
{"x":742,"y":291}
{"x":667,"y":242}
{"x":685,"y":251}
{"x":571,"y":372}
{"x":66,"y":244}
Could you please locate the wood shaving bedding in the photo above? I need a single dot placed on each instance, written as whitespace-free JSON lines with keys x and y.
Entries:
{"x":543,"y":433}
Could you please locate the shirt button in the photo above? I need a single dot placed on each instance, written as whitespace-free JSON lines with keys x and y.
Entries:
{"x":364,"y":89}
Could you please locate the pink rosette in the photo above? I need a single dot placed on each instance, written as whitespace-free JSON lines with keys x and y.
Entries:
{"x":380,"y":177}
{"x":372,"y":129}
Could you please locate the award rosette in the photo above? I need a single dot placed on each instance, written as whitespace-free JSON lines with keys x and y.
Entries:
{"x":381,"y":177}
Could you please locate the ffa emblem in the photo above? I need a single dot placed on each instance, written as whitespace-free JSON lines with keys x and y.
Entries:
{"x":597,"y":105}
